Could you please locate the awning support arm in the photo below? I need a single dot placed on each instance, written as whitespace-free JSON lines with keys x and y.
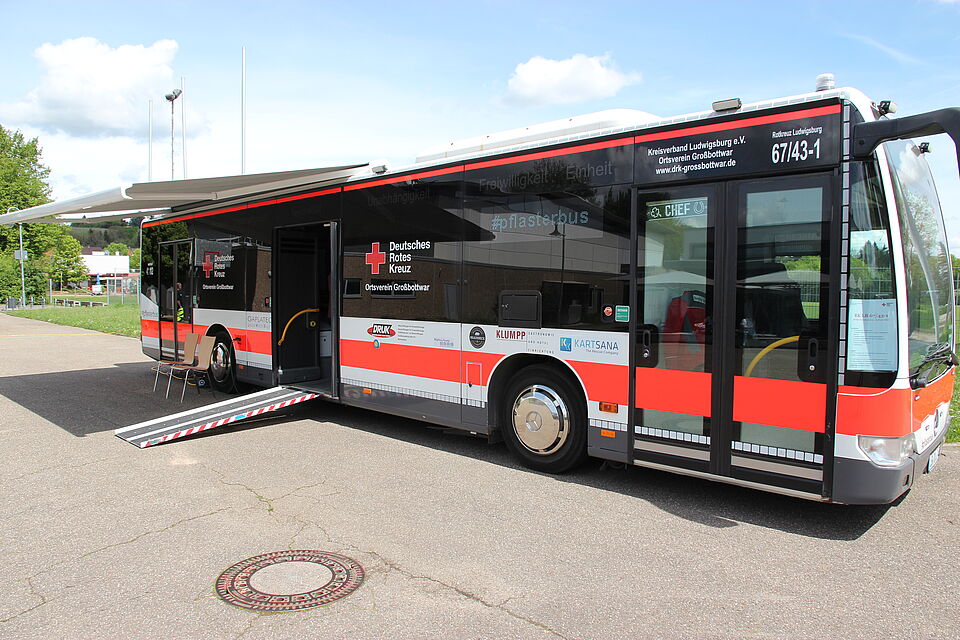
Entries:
{"x":867,"y":136}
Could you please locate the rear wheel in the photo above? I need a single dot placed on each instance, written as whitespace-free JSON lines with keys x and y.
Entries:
{"x":543,"y":420}
{"x":223,"y":364}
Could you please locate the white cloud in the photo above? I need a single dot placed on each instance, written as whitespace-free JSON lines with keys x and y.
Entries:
{"x":90,"y":89}
{"x":578,"y":78}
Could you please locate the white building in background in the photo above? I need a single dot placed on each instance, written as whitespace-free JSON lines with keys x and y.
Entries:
{"x":103,"y":264}
{"x":106,"y":270}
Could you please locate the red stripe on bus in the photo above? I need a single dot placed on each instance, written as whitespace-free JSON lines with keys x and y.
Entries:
{"x":780,"y":403}
{"x":254,"y":341}
{"x":252,"y":205}
{"x":540,"y":155}
{"x":604,"y":382}
{"x":422,"y":362}
{"x":486,"y":361}
{"x":672,"y":390}
{"x":873,"y":412}
{"x":740,"y":124}
{"x":149,"y":328}
{"x":930,"y":397}
{"x":404,"y":178}
{"x":553,"y":153}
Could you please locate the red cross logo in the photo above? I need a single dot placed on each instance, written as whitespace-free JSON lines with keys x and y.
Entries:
{"x":375,"y":258}
{"x":207,"y":264}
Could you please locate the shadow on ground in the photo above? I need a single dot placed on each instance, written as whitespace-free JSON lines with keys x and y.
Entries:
{"x":92,"y":401}
{"x":95,"y":400}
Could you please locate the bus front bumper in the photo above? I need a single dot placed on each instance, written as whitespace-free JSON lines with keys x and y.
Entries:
{"x":863,"y":482}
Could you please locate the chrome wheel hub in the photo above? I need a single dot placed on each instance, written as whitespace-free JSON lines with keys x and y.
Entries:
{"x":540,"y":419}
{"x":220,"y":362}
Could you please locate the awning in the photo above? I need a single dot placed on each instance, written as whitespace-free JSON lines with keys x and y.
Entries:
{"x":153,"y":198}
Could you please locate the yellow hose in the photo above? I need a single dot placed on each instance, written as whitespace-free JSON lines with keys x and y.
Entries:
{"x":767,"y":349}
{"x":283,"y":335}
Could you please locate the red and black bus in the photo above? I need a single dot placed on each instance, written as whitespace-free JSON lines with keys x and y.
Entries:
{"x":759,"y":294}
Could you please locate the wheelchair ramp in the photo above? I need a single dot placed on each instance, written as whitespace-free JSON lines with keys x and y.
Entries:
{"x":186,"y":423}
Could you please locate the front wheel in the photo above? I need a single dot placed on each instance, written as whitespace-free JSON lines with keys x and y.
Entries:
{"x":223,"y":364}
{"x":543,"y":420}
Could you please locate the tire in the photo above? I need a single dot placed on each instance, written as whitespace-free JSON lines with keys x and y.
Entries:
{"x":543,"y":420}
{"x":223,"y":364}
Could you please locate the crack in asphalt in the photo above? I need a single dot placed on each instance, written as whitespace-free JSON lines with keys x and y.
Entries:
{"x":33,"y":592}
{"x":462,"y":592}
{"x":44,"y":600}
{"x":59,"y":466}
{"x":252,"y":621}
{"x":146,"y":533}
{"x":264,"y":501}
{"x":222,"y":479}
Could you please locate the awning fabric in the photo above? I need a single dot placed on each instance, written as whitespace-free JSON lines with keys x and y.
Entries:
{"x":157,"y":198}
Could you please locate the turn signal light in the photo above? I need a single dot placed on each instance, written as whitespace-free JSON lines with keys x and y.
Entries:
{"x":367,"y":391}
{"x":610,"y":407}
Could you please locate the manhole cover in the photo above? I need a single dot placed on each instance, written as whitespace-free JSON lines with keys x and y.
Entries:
{"x":289,"y":580}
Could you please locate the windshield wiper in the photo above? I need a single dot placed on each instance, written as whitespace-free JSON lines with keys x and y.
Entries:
{"x":938,"y":352}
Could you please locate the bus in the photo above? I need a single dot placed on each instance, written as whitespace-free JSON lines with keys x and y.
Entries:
{"x":759,"y":294}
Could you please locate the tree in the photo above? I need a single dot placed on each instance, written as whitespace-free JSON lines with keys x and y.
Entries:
{"x":65,"y":264}
{"x":135,"y":259}
{"x":34,"y":277}
{"x":23,"y":180}
{"x":117,"y":247}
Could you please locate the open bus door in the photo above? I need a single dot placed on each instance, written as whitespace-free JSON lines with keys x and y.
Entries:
{"x":176,"y":295}
{"x":305,"y":306}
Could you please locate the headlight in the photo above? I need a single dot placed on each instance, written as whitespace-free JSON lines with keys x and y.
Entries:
{"x":887,"y":452}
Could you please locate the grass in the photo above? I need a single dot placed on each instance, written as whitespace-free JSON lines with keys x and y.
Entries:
{"x":118,"y":319}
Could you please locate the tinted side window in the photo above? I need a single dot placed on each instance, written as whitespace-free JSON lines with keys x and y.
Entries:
{"x":545,"y":226}
{"x":401,"y":250}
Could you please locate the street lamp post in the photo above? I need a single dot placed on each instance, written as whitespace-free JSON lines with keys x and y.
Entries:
{"x":21,"y":256}
{"x":171,"y":97}
{"x":23,"y":282}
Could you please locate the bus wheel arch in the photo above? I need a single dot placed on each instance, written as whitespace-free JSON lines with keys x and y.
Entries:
{"x":223,"y":360}
{"x":541,"y":412}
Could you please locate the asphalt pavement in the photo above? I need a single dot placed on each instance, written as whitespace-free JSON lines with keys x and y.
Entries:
{"x":99,"y":539}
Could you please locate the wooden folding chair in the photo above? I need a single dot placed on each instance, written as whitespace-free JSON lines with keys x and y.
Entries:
{"x":204,"y":353}
{"x":189,"y":356}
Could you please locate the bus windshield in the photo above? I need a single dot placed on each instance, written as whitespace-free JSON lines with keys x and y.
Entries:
{"x":927,"y":260}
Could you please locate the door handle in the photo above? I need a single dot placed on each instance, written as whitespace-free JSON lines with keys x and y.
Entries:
{"x":813,"y":350}
{"x":647,"y":342}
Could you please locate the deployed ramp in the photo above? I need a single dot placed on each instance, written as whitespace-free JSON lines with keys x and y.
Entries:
{"x":187,"y":423}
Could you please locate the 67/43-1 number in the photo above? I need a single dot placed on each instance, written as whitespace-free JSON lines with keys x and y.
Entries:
{"x":795,"y":151}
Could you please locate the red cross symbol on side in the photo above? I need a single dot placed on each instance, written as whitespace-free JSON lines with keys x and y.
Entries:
{"x":207,"y":265}
{"x":375,"y":258}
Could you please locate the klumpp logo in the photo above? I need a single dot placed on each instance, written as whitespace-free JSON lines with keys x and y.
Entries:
{"x":382,"y":331}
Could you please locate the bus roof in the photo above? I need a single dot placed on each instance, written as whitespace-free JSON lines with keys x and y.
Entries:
{"x":159,"y":198}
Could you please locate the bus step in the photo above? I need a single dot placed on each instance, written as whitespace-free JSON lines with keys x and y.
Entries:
{"x":186,"y":423}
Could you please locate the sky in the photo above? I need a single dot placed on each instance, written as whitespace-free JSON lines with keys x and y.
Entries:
{"x":332,"y":83}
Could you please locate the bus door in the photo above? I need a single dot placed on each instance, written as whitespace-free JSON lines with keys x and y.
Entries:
{"x":176,"y":296}
{"x":305,"y":306}
{"x":731,"y":345}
